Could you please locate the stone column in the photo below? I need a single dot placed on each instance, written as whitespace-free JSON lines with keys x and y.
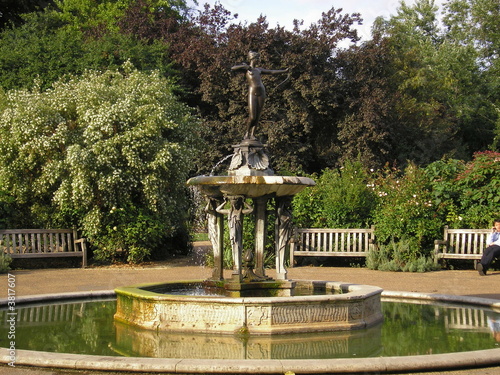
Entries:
{"x":260,"y":213}
{"x":283,"y":230}
{"x":216,"y":235}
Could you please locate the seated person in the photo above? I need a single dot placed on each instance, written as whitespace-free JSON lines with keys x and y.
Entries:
{"x":492,"y":251}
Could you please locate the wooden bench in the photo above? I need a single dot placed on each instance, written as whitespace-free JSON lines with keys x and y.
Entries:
{"x":461,"y":244}
{"x":331,"y":242}
{"x":40,"y":243}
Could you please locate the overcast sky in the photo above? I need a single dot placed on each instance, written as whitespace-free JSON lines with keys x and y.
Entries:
{"x":283,"y":12}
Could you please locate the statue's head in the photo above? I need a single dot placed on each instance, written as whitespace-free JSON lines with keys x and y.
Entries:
{"x":253,"y":55}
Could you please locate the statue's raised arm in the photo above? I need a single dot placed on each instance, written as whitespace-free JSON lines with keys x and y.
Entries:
{"x":256,"y":90}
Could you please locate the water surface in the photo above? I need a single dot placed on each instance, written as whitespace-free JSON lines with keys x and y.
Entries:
{"x":87,"y":327}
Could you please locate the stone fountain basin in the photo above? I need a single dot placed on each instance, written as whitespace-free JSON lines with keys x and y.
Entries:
{"x":250,"y":186}
{"x":340,"y":307}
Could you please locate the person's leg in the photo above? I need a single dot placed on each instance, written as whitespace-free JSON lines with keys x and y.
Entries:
{"x":490,"y":253}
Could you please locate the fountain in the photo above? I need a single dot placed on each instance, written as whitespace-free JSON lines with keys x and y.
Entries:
{"x":250,"y":302}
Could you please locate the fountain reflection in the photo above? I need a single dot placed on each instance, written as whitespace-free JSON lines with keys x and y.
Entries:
{"x":134,"y":341}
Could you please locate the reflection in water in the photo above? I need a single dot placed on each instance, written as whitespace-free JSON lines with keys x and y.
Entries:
{"x":132,"y":341}
{"x":408,"y":329}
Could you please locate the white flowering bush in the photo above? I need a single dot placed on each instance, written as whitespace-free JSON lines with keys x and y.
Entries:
{"x":108,"y":153}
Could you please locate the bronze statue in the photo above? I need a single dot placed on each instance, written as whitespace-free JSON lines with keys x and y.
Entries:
{"x":256,"y":90}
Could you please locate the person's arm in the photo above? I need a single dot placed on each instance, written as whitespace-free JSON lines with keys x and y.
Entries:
{"x":274,"y":71}
{"x":493,"y":239}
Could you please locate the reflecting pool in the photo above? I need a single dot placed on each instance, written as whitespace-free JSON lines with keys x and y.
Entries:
{"x":87,"y":327}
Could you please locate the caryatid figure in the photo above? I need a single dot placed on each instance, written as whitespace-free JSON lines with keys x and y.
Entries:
{"x":238,"y":208}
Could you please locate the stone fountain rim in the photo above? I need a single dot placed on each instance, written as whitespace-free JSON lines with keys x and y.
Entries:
{"x":250,"y":186}
{"x":237,"y":180}
{"x":354,"y":292}
{"x":417,"y":363}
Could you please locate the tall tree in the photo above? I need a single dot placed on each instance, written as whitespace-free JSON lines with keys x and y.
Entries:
{"x":297,"y":120}
{"x":439,"y":84}
{"x":475,"y":24}
{"x":80,"y":35}
{"x":367,"y":130}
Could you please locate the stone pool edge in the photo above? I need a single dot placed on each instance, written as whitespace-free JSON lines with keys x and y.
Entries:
{"x":448,"y":361}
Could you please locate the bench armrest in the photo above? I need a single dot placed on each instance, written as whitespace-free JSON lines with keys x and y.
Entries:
{"x":83,"y":247}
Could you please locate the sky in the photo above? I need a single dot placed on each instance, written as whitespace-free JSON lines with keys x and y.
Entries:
{"x":283,"y":12}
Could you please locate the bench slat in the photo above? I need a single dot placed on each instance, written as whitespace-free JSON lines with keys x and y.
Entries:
{"x":331,"y":242}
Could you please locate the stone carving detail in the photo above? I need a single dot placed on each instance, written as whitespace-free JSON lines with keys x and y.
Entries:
{"x":355,"y":311}
{"x":309,"y":314}
{"x":257,"y":315}
{"x":250,"y":159}
{"x":192,"y":316}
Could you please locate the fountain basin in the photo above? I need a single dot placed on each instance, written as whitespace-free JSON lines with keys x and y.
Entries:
{"x":250,"y":186}
{"x":340,"y":307}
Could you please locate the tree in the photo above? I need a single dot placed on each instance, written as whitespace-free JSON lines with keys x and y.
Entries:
{"x":77,"y":36}
{"x":108,"y":153}
{"x":475,"y":24}
{"x":441,"y":107}
{"x":11,"y":10}
{"x":298,"y":120}
{"x":367,"y":128}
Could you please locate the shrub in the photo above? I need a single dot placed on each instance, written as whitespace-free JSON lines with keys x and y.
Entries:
{"x":108,"y":153}
{"x":342,"y":198}
{"x":399,"y":256}
{"x":5,"y":261}
{"x":466,"y":194}
{"x":406,"y":210}
{"x":479,"y":184}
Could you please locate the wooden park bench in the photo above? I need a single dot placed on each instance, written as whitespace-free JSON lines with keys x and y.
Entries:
{"x":331,"y":242}
{"x":41,"y":243}
{"x":461,"y":244}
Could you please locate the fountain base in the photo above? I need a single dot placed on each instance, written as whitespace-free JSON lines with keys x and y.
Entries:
{"x":338,"y":307}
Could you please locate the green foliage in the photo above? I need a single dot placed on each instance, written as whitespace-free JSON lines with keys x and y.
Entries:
{"x":400,"y":256}
{"x":52,"y":43}
{"x":5,"y":261}
{"x":96,"y":142}
{"x":406,"y":209}
{"x":342,"y":198}
{"x":12,"y":10}
{"x":439,"y":83}
{"x":466,"y":194}
{"x":480,"y":185}
{"x":418,"y":91}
